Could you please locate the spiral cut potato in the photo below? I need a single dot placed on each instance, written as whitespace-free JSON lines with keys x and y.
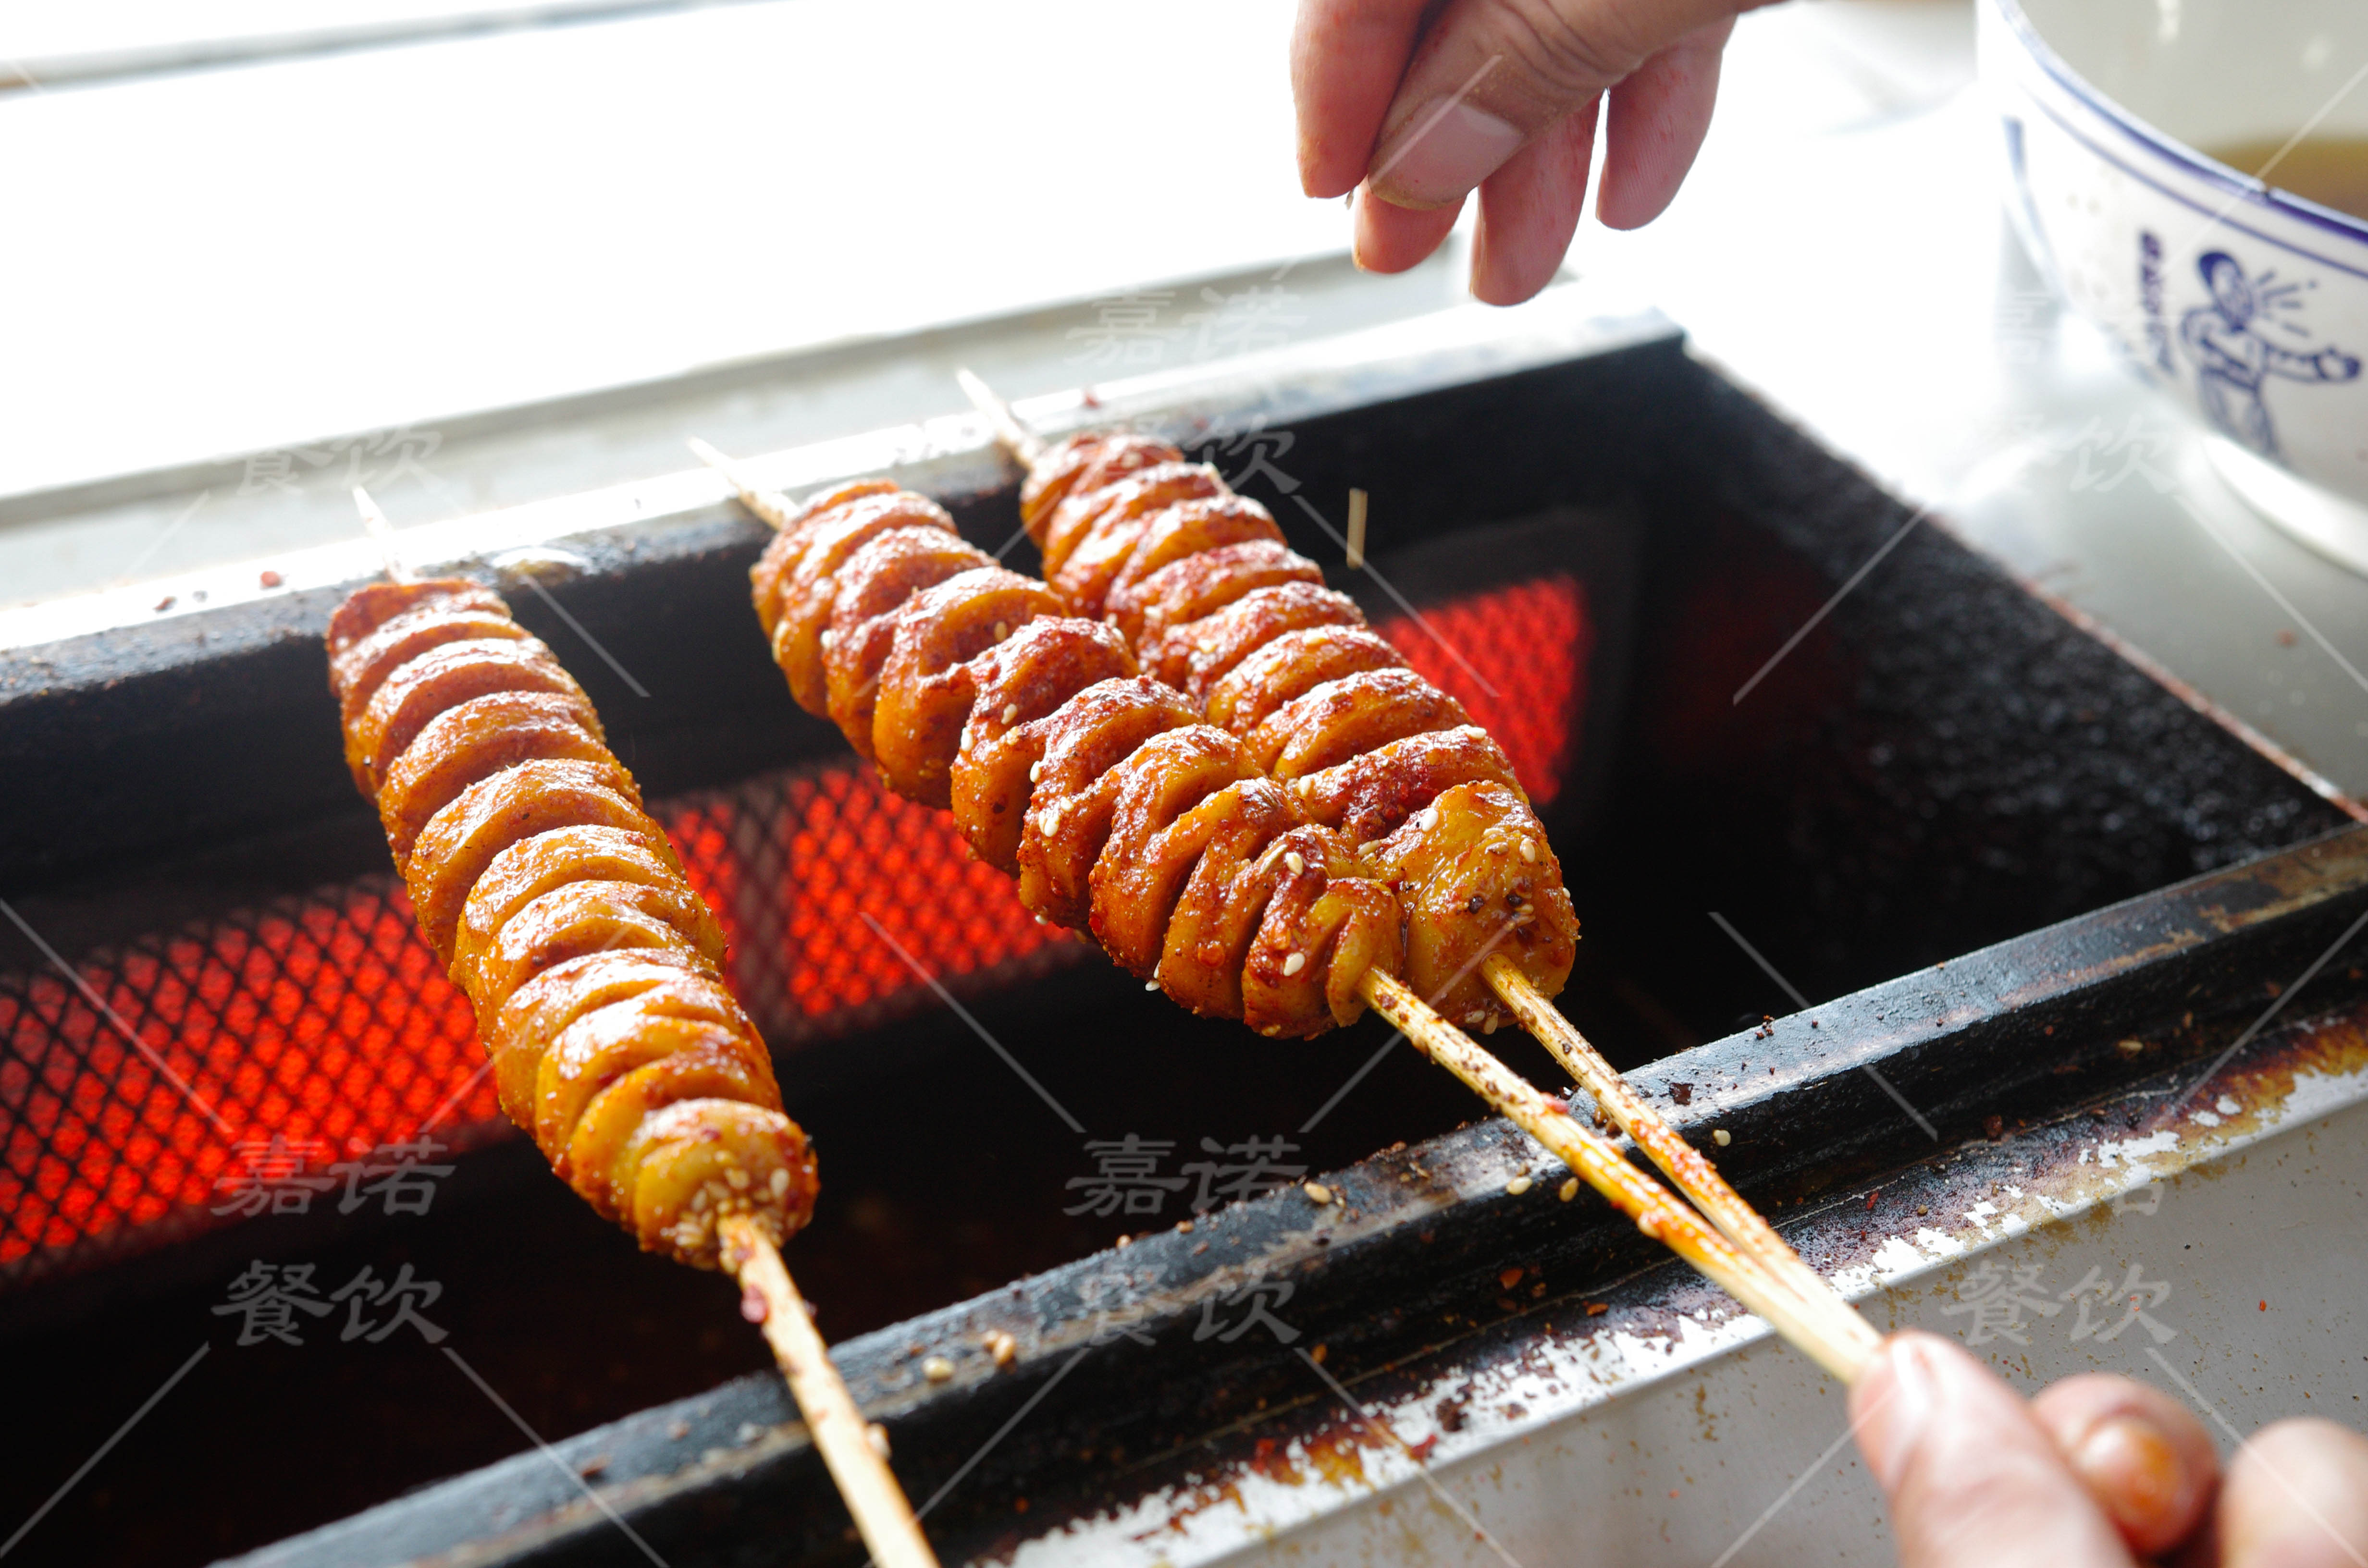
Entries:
{"x":1119,"y":811}
{"x":560,"y":908}
{"x":1199,"y":586}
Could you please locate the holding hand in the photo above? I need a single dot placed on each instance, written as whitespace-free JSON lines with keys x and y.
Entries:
{"x":1501,"y":96}
{"x":2096,"y":1472}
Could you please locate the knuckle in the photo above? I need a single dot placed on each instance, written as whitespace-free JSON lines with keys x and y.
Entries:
{"x":1546,"y":43}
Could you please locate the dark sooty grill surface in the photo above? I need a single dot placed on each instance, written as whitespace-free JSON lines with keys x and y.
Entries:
{"x":1941,"y":765}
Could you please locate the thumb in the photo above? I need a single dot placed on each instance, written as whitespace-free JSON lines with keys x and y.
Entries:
{"x":1971,"y":1476}
{"x":1493,"y":75}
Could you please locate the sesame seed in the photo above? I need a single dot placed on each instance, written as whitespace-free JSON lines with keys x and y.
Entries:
{"x":1010,"y":712}
{"x":1035,"y":773}
{"x":1318,"y":1194}
{"x":937,"y":1368}
{"x":1151,"y":985}
{"x":1517,"y":1185}
{"x":1294,"y":963}
{"x":878,"y":1438}
{"x":738,"y":1178}
{"x":1568,"y":1190}
{"x":1491,"y":1027}
{"x":1271,"y":1030}
{"x":1721,"y":1137}
{"x":829,"y":637}
{"x":1002,"y":630}
{"x":1296,"y":861}
{"x":1002,"y":1347}
{"x":1529,"y":852}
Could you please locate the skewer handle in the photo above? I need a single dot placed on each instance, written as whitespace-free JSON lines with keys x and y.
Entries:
{"x":1021,"y":442}
{"x":1695,"y":1175}
{"x":881,"y":1512}
{"x":381,"y":534}
{"x":1630,"y":1190}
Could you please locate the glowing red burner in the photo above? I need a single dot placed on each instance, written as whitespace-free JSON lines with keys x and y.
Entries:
{"x":1517,"y":658}
{"x":323,"y":1022}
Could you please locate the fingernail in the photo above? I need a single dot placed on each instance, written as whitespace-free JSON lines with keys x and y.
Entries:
{"x":1895,"y":1426}
{"x":2132,"y":1468}
{"x":1439,"y":158}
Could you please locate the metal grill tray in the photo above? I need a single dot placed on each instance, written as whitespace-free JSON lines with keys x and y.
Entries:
{"x":2016,"y":1053}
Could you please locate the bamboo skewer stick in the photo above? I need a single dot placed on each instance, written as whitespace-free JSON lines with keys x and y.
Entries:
{"x":857,"y":1459}
{"x":1021,"y":442}
{"x":381,"y":534}
{"x":1841,"y":1348}
{"x":1630,"y":1190}
{"x":1695,"y":1175}
{"x":772,"y":508}
{"x":882,"y":1515}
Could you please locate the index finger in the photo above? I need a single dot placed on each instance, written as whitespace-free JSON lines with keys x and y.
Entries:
{"x":1346,"y":58}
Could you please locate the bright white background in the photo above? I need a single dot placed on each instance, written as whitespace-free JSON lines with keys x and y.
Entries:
{"x":232,"y":258}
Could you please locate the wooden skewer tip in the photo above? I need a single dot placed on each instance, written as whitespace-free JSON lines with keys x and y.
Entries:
{"x":771,"y":507}
{"x":1022,"y":443}
{"x":381,"y":534}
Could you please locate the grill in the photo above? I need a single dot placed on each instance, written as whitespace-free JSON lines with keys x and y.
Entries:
{"x":318,"y":1029}
{"x":1590,"y":538}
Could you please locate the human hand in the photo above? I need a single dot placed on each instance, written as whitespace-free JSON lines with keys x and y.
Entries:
{"x":2096,"y":1472}
{"x":1501,"y":96}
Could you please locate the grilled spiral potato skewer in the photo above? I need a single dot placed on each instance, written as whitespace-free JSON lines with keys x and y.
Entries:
{"x":560,"y":908}
{"x":1196,"y":576}
{"x":1158,"y":834}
